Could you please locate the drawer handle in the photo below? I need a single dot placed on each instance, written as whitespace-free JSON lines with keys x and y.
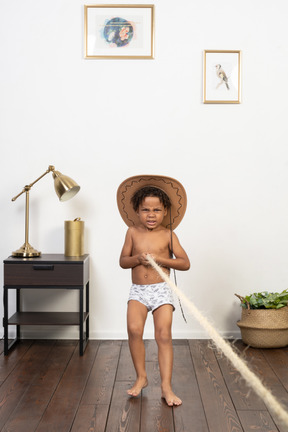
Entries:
{"x":43,"y":267}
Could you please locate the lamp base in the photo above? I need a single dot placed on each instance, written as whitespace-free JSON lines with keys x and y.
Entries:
{"x":26,"y":251}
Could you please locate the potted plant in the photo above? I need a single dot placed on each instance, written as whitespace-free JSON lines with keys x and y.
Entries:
{"x":264,"y":319}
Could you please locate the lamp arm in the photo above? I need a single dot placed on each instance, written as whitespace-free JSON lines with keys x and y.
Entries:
{"x":28,"y":187}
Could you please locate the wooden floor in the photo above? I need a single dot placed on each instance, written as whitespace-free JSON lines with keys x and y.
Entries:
{"x":45,"y":386}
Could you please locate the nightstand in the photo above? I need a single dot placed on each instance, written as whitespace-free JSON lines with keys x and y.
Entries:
{"x":49,"y":271}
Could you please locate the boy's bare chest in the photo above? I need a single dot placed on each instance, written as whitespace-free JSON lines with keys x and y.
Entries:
{"x":151,"y":242}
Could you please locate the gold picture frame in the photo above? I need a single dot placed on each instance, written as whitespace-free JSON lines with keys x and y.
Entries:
{"x":222,"y":77}
{"x":119,"y":31}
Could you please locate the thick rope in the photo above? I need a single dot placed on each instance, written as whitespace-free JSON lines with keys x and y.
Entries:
{"x":249,"y":376}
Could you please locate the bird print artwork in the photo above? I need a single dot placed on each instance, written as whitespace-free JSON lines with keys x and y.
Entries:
{"x":222,"y":76}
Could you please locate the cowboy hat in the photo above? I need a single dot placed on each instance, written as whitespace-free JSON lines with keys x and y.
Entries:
{"x":170,"y":186}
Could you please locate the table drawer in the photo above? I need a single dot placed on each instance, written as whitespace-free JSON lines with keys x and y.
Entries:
{"x":41,"y":274}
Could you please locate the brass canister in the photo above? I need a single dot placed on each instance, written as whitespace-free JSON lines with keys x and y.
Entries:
{"x":74,"y":237}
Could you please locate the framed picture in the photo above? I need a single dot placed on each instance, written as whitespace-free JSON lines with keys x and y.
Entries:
{"x":119,"y":31}
{"x":222,"y":77}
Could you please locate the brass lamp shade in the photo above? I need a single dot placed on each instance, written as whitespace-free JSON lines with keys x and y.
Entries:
{"x":65,"y":187}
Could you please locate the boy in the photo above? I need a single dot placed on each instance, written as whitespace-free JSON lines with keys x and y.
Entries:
{"x":148,"y":292}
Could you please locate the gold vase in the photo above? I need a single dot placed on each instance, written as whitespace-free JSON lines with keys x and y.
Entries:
{"x":74,"y":237}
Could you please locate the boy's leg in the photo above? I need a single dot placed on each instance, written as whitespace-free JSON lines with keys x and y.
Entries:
{"x":136,"y":318}
{"x":162,"y":323}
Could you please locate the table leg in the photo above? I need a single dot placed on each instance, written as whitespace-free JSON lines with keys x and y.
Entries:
{"x":5,"y":320}
{"x":18,"y":291}
{"x":81,"y":322}
{"x":87,"y":310}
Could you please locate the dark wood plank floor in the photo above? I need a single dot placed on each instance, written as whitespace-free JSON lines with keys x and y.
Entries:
{"x":45,"y":386}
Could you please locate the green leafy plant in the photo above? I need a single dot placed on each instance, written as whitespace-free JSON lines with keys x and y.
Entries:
{"x":264,"y":300}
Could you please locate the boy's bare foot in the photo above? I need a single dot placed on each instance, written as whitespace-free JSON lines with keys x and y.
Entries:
{"x":170,"y":398}
{"x":139,"y":384}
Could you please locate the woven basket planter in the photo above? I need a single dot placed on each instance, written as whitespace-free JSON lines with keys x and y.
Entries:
{"x":264,"y":328}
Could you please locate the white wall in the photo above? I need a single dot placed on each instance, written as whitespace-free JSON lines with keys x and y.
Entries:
{"x":100,"y":121}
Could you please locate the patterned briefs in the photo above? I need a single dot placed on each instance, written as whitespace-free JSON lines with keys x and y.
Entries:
{"x":152,"y":296}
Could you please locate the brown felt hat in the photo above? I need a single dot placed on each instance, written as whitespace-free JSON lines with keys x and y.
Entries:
{"x":170,"y":186}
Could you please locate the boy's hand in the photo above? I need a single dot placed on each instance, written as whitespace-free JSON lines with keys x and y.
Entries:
{"x":143,"y":259}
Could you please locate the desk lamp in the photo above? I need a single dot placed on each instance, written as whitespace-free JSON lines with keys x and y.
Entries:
{"x":65,"y":188}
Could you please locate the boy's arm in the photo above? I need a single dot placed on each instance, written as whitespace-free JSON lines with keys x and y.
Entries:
{"x":181,"y":260}
{"x":127,"y":260}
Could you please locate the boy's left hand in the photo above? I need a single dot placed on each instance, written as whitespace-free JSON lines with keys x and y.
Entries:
{"x":151,"y":256}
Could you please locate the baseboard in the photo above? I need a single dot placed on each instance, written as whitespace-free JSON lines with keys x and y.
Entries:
{"x":68,"y":333}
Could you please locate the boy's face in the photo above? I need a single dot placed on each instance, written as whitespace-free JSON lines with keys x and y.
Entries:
{"x":151,"y":213}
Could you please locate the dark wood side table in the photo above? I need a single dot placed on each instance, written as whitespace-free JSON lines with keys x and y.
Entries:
{"x":51,"y":271}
